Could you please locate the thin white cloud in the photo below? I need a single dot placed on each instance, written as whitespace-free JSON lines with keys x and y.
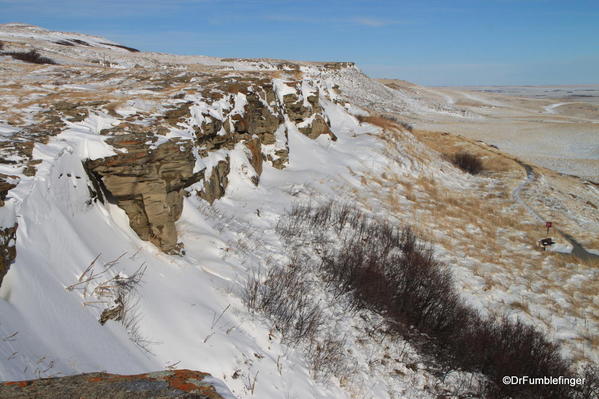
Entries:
{"x":373,"y":22}
{"x":363,"y":21}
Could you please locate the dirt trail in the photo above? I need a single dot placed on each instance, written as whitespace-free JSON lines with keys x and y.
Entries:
{"x":577,"y":249}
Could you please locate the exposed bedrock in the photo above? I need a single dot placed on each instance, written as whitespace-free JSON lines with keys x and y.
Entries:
{"x":216,"y":182}
{"x":148,"y":185}
{"x":148,"y":180}
{"x":175,"y":384}
{"x":8,"y":250}
{"x":308,"y":115}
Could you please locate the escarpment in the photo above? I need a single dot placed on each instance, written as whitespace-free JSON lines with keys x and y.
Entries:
{"x":189,"y":133}
{"x":8,"y":250}
{"x":188,"y":149}
{"x":148,"y":185}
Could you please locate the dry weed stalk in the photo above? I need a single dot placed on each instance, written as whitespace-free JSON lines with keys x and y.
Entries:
{"x":116,"y":293}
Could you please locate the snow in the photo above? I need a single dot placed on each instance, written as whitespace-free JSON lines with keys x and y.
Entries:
{"x":84,"y":138}
{"x":181,"y":297}
{"x":59,"y":234}
{"x":191,"y":309}
{"x":7,"y":130}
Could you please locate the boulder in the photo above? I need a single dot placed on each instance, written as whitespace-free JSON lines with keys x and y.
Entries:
{"x":174,"y":384}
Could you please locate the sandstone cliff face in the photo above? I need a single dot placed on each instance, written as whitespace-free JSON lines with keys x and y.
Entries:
{"x":175,"y":384}
{"x":8,"y":252}
{"x":148,"y":184}
{"x":216,"y":183}
{"x":256,"y":117}
{"x":307,"y":112}
{"x":201,"y":120}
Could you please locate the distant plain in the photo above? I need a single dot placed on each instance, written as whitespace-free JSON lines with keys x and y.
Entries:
{"x":556,"y":127}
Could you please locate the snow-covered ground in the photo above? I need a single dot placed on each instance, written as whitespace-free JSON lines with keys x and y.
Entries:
{"x":189,"y":310}
{"x":554,"y":127}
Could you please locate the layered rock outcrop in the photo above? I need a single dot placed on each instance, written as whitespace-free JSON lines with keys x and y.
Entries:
{"x":259,"y":123}
{"x":216,"y":183}
{"x":175,"y":384}
{"x":307,"y":112}
{"x":8,"y":250}
{"x":148,"y":185}
{"x":147,"y":179}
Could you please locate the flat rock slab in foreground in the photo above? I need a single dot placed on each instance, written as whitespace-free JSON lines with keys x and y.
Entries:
{"x":158,"y":385}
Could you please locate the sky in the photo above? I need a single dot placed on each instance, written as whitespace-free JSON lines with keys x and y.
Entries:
{"x":450,"y":42}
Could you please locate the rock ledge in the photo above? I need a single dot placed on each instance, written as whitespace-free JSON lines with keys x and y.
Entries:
{"x":183,"y":384}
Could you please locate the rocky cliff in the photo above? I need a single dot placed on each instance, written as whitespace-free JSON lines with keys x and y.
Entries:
{"x":174,"y":133}
{"x":191,"y":142}
{"x":148,"y":185}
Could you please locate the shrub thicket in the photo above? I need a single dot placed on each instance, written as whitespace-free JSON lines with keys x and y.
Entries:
{"x":32,"y":57}
{"x":285,"y":295}
{"x":388,"y":270}
{"x":467,"y":162}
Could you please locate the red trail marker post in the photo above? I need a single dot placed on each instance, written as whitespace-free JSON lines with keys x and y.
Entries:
{"x":548,"y":225}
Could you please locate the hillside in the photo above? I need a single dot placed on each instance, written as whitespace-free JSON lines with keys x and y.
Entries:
{"x":152,"y":219}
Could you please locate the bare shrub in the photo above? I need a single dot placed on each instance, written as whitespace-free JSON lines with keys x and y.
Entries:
{"x":65,"y":43}
{"x":82,"y":42}
{"x":251,"y":291}
{"x":327,"y":358}
{"x":590,"y":388}
{"x":32,"y":57}
{"x":388,"y":270}
{"x":285,"y":297}
{"x":467,"y":162}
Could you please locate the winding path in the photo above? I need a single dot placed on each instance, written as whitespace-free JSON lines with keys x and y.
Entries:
{"x":577,"y":249}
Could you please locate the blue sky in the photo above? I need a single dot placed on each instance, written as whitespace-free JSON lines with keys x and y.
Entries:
{"x":452,"y":42}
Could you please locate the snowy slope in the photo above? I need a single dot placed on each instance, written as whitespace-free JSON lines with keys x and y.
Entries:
{"x":59,"y":235}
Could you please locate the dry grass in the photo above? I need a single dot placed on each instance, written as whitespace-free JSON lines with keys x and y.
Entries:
{"x":520,"y":306}
{"x":379,"y":121}
{"x":449,"y":144}
{"x":483,"y":226}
